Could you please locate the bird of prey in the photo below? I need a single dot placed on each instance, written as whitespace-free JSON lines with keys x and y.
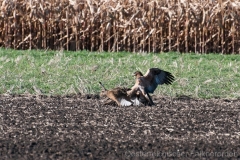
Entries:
{"x":122,"y":97}
{"x":148,"y":83}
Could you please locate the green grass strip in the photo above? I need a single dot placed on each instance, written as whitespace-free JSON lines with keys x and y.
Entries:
{"x":57,"y":72}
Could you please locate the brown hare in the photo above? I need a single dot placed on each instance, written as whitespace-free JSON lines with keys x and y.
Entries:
{"x":123,"y":97}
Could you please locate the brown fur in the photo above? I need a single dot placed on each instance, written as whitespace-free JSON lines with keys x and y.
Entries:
{"x":117,"y":93}
{"x":125,"y":93}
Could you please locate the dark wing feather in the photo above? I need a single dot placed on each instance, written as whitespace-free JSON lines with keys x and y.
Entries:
{"x":157,"y":77}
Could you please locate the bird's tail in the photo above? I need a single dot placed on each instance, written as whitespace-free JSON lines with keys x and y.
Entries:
{"x":102,"y":86}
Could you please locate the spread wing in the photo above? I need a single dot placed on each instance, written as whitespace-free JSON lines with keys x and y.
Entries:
{"x":155,"y":77}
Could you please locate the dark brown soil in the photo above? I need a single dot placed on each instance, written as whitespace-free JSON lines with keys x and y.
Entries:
{"x":81,"y":127}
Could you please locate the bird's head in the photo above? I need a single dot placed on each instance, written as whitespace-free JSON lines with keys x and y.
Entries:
{"x":138,"y":74}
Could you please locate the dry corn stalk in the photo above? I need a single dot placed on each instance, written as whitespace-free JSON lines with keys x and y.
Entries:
{"x":117,"y":25}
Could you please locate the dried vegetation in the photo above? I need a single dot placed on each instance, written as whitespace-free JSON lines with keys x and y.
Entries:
{"x":108,"y":25}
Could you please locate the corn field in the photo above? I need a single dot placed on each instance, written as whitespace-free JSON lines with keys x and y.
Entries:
{"x":200,"y":26}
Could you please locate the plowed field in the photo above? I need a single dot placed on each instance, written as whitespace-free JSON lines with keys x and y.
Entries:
{"x":82,"y":127}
